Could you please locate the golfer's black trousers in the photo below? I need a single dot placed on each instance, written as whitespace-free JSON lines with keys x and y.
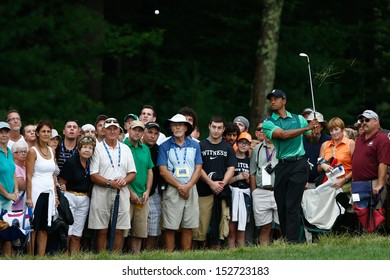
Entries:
{"x":290,"y":181}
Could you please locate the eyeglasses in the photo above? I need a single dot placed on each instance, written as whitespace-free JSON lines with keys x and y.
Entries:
{"x":259,"y":128}
{"x":365,"y":120}
{"x":110,"y":121}
{"x":242,"y":143}
{"x":13,"y":119}
{"x":20,"y":152}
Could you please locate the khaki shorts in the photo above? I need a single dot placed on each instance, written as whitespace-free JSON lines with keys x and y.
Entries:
{"x":102,"y":205}
{"x":139,"y":220}
{"x":205,"y":210}
{"x":264,"y":207}
{"x":178,"y":212}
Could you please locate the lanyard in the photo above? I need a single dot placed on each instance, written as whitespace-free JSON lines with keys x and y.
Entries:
{"x":177,"y":156}
{"x":269,"y":155}
{"x":63,"y":151}
{"x":109,"y":155}
{"x":87,"y":167}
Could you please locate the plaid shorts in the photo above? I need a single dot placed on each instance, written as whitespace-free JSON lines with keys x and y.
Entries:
{"x":154,"y":219}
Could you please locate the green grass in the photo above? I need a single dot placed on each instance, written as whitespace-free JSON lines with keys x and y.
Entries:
{"x":366,"y":247}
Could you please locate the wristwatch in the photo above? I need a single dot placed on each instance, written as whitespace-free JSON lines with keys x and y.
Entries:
{"x":109,"y":183}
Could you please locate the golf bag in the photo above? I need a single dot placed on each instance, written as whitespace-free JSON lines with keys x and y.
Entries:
{"x":368,"y":208}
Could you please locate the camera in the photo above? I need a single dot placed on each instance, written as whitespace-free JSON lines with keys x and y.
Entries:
{"x":269,"y":168}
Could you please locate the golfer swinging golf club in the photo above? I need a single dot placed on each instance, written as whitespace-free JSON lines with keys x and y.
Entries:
{"x":286,"y":132}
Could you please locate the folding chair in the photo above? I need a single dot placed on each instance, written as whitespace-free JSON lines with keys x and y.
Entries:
{"x":367,"y":207}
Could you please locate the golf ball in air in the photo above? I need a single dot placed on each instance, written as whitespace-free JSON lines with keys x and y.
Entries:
{"x":156,"y":12}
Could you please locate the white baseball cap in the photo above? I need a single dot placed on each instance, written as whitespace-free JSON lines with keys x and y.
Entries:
{"x":54,"y":134}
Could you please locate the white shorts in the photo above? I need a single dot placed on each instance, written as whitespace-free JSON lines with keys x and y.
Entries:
{"x":264,"y":207}
{"x":79,"y":205}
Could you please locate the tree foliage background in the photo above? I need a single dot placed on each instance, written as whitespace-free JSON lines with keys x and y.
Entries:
{"x":77,"y":59}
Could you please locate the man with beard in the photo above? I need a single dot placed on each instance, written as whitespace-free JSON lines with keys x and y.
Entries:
{"x":312,"y":146}
{"x":180,"y":164}
{"x":230,"y":134}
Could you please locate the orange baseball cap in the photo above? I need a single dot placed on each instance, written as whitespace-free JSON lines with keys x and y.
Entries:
{"x":245,"y":135}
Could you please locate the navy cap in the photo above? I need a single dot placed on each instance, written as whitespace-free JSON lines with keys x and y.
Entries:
{"x":152,"y":124}
{"x":277,"y":93}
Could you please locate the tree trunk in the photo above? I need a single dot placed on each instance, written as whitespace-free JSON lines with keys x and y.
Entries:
{"x":94,"y":83}
{"x":266,"y":58}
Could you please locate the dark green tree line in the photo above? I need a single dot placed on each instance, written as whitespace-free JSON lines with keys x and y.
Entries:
{"x":77,"y":59}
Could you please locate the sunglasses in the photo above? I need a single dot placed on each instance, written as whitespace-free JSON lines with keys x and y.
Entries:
{"x":110,"y":121}
{"x":365,"y":120}
{"x":87,"y":139}
{"x":259,"y":128}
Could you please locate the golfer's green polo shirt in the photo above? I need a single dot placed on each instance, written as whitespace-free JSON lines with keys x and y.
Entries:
{"x":143,"y":162}
{"x":290,"y":147}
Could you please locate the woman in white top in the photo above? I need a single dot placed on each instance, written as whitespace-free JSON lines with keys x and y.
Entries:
{"x":40,"y":183}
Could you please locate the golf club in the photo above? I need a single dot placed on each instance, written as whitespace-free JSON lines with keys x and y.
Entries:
{"x":311,"y":83}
